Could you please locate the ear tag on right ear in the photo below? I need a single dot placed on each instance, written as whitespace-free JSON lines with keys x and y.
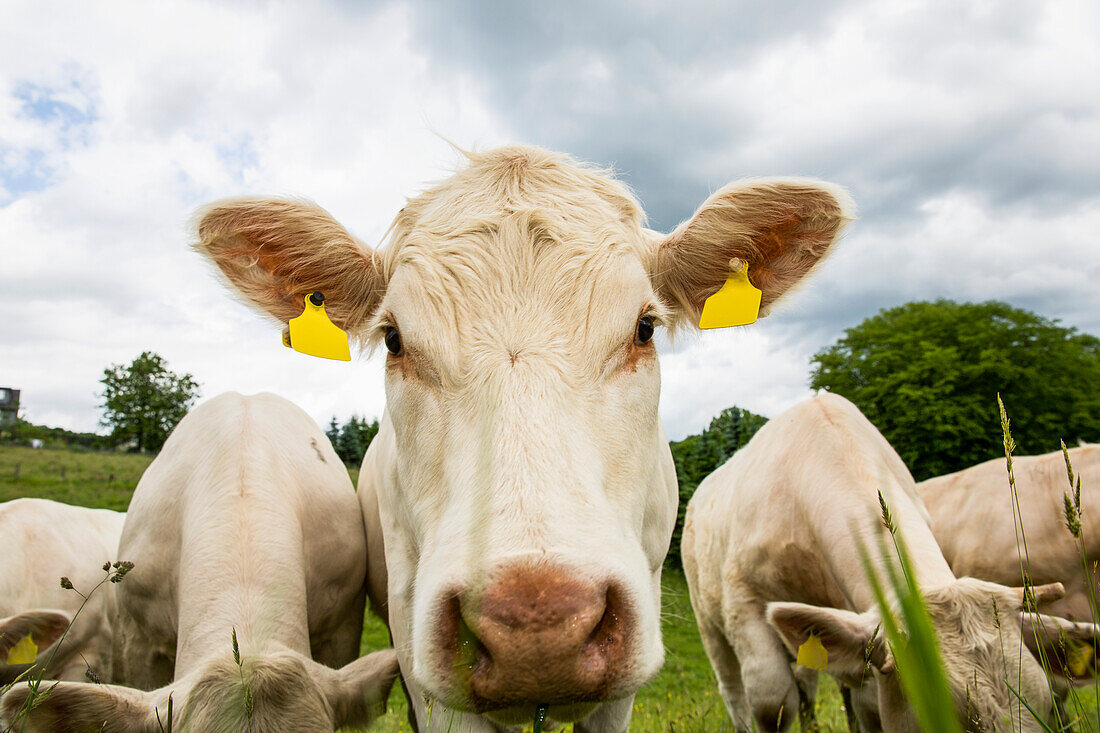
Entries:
{"x":737,"y":302}
{"x":314,"y":334}
{"x":24,"y":651}
{"x":812,"y":654}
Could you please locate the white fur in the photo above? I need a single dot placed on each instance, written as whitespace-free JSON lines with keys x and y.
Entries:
{"x":771,"y":550}
{"x":246,"y":522}
{"x":988,"y":549}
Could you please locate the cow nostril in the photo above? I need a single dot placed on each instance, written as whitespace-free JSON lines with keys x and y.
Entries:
{"x":605,"y":642}
{"x":466,"y":645}
{"x":466,"y":650}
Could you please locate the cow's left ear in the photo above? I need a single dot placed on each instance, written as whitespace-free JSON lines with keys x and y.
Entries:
{"x":781,"y":228}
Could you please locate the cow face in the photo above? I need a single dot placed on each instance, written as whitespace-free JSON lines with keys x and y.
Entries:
{"x":530,"y":494}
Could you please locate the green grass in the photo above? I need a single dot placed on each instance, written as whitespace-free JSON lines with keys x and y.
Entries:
{"x":100,"y":480}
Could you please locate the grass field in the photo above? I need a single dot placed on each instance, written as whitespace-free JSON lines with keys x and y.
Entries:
{"x":683,"y":698}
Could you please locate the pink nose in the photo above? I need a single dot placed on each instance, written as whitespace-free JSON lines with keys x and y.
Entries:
{"x":538,"y":635}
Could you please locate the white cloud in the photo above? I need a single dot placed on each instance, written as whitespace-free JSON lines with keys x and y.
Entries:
{"x":963,"y":131}
{"x":330,"y":105}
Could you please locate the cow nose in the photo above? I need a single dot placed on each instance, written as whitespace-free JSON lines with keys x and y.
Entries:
{"x":539,"y":635}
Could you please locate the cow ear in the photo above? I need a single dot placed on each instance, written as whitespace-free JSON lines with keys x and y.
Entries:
{"x":781,"y":228}
{"x":357,"y":692}
{"x":1066,"y":649}
{"x":77,"y":707}
{"x":274,"y":252}
{"x":850,"y":639}
{"x":43,"y":626}
{"x":1042,"y":594}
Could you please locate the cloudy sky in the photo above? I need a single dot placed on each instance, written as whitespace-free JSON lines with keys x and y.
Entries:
{"x":968,"y":133}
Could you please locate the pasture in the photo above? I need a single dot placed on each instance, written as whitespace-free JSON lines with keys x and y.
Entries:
{"x":682,"y":698}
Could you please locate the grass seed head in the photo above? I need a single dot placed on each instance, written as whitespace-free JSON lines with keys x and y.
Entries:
{"x":887,"y":519}
{"x":1069,"y":466}
{"x":1073,"y":515}
{"x":121,"y":568}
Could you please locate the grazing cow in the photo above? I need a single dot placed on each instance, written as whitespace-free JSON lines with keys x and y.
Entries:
{"x":245,"y":529}
{"x":990,"y":550}
{"x":42,"y":541}
{"x":524,"y":483}
{"x":771,"y":549}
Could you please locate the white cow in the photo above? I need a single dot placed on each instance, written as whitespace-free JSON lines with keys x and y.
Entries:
{"x":524,"y":482}
{"x":245,"y":523}
{"x":42,"y":541}
{"x":771,"y":551}
{"x":992,"y":549}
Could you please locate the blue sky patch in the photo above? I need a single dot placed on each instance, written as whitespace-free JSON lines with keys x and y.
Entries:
{"x":68,"y":112}
{"x":56,"y":106}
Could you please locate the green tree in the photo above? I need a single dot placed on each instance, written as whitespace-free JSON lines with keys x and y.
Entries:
{"x":927,"y":375}
{"x":333,"y":432}
{"x":351,"y":440}
{"x":696,"y":456}
{"x":143,"y":402}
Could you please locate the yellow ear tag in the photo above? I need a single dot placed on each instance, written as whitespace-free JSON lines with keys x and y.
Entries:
{"x":314,"y":334}
{"x":23,"y":652}
{"x":1079,"y":659}
{"x":737,"y":303}
{"x":812,"y":654}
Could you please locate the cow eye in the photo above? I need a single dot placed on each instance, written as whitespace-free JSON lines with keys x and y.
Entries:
{"x":643,"y":332}
{"x":393,"y":341}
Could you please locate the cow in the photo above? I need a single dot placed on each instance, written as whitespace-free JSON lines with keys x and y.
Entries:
{"x":245,"y":604}
{"x":1005,"y":543}
{"x":41,"y":542}
{"x":772,"y":553}
{"x":525,"y":487}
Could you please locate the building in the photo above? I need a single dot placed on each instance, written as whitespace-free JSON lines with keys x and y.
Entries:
{"x":9,"y":406}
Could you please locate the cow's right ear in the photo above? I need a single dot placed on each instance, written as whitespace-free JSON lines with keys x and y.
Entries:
{"x":849,"y":638}
{"x":43,"y":626}
{"x":274,"y":252}
{"x":77,"y":707}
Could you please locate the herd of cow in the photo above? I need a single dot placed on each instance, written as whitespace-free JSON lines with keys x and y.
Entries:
{"x":514,"y":512}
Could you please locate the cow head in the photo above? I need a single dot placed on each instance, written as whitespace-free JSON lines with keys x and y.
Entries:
{"x":982,"y":629}
{"x":530,"y":494}
{"x":275,"y":692}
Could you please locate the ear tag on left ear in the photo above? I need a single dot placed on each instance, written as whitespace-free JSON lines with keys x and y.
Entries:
{"x":812,"y":654}
{"x":1079,"y":658}
{"x":737,"y":303}
{"x":24,"y":651}
{"x":314,"y":334}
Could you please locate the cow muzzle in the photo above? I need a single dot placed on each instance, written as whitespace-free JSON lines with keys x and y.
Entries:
{"x":536,"y":635}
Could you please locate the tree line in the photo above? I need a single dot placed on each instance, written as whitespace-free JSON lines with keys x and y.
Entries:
{"x":350,"y":440}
